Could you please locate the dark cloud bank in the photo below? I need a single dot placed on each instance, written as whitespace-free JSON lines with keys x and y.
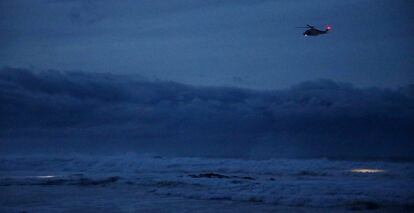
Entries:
{"x":60,"y":112}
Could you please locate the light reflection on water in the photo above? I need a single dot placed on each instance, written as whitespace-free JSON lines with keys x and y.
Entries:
{"x":365,"y":170}
{"x":44,"y":176}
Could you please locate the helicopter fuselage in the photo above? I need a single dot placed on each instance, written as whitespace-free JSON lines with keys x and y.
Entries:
{"x":315,"y":32}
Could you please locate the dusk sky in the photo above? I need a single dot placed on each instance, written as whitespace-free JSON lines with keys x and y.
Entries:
{"x":243,"y":43}
{"x":208,"y":78}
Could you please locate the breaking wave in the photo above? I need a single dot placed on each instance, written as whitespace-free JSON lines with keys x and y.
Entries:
{"x":315,"y":183}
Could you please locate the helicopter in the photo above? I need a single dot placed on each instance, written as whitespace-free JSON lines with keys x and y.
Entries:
{"x":312,"y":31}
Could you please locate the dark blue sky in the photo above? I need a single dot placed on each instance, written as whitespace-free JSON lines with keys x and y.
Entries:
{"x":240,"y":43}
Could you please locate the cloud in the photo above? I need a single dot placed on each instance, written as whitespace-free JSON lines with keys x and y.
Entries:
{"x":86,"y":112}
